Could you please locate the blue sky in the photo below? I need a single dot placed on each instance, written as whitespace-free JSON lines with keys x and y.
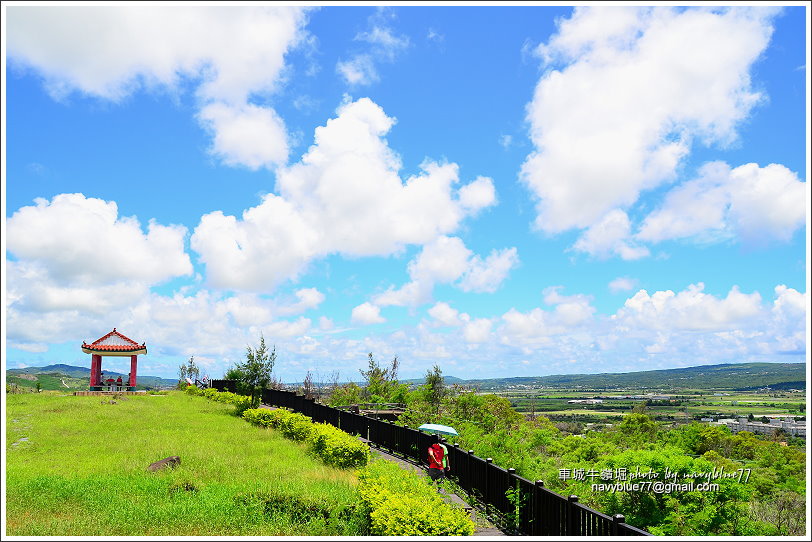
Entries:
{"x":502,"y":191}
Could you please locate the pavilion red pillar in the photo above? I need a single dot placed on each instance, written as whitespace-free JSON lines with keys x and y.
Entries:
{"x":95,"y":370}
{"x":133,"y":369}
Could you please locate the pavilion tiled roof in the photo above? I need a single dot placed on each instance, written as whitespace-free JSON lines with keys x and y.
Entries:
{"x":114,"y":342}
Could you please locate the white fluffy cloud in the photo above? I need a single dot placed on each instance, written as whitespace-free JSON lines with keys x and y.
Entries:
{"x":344,"y":197}
{"x":478,"y":330}
{"x":384,"y":44}
{"x":444,"y":261}
{"x":691,"y":309}
{"x":636,"y":88}
{"x":444,"y":314}
{"x":245,"y":134}
{"x":622,"y":284}
{"x":112,"y":51}
{"x":82,"y":241}
{"x":474,"y":330}
{"x":789,"y":320}
{"x":367,"y":313}
{"x":488,"y":274}
{"x":611,"y":236}
{"x":569,"y":313}
{"x":79,"y":268}
{"x":753,"y":203}
{"x":204,"y":323}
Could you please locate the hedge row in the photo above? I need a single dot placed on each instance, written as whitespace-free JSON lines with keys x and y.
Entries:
{"x":401,"y":503}
{"x":332,"y":445}
{"x":242,"y":402}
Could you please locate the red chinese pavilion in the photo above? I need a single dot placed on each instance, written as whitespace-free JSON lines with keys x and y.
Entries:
{"x":113,"y":344}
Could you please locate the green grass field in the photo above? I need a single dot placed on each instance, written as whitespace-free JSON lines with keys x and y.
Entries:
{"x":76,"y":466}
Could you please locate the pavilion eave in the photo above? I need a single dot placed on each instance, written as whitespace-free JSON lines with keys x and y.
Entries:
{"x":140,"y":351}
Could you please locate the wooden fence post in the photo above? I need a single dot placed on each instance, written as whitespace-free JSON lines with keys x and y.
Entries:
{"x":617,"y":519}
{"x":536,"y":513}
{"x":571,"y":519}
{"x":486,"y":492}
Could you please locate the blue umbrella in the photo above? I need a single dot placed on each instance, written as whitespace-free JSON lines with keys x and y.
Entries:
{"x":438,"y":429}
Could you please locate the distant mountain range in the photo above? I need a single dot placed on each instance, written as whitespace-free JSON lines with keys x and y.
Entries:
{"x":730,"y":376}
{"x":72,"y":371}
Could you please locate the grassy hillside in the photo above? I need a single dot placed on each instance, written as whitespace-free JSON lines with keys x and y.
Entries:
{"x":77,"y":378}
{"x":76,"y":466}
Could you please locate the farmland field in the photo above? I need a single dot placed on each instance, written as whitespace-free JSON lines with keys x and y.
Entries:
{"x":676,"y":405}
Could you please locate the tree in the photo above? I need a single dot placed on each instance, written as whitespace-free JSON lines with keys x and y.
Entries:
{"x":435,"y":387}
{"x":187,"y":370}
{"x":348,"y":394}
{"x":380,"y":382}
{"x":192,"y":370}
{"x":642,"y":407}
{"x":256,"y":370}
{"x":182,"y":376}
{"x":637,"y":428}
{"x":308,"y":387}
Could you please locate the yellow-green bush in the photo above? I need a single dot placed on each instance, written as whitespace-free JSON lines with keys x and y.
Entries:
{"x":193,"y":390}
{"x":333,"y":446}
{"x":401,"y":503}
{"x":241,"y":402}
{"x":296,"y":426}
{"x":265,"y":417}
{"x":337,"y":448}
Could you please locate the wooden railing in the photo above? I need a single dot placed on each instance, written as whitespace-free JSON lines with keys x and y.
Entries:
{"x":531,"y":510}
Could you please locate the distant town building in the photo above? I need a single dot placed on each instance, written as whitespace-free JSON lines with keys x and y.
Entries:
{"x":585,"y":401}
{"x":790,"y":427}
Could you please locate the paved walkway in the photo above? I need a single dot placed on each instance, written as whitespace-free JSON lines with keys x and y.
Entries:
{"x":483,"y":526}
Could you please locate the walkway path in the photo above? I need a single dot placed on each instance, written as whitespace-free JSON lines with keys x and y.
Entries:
{"x":483,"y":526}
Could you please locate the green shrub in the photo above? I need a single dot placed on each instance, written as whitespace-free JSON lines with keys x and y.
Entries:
{"x":259,"y":416}
{"x":241,"y":402}
{"x":210,"y":393}
{"x":401,"y":503}
{"x":296,"y":426}
{"x":337,"y":448}
{"x":330,"y":444}
{"x":193,"y":390}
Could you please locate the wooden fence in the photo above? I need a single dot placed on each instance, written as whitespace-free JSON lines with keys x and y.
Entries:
{"x":531,"y":509}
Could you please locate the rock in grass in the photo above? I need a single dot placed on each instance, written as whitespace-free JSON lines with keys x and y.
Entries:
{"x":168,"y":462}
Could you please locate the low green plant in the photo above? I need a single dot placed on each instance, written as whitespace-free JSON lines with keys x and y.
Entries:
{"x":296,"y":426}
{"x":401,"y":503}
{"x":330,"y":444}
{"x":241,"y":402}
{"x":517,"y":500}
{"x":337,"y":448}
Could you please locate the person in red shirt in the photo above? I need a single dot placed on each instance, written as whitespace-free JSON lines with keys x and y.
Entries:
{"x":436,"y":471}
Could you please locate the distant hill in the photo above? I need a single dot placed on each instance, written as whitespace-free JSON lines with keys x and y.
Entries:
{"x":731,"y":376}
{"x":725,"y":376}
{"x":51,"y":377}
